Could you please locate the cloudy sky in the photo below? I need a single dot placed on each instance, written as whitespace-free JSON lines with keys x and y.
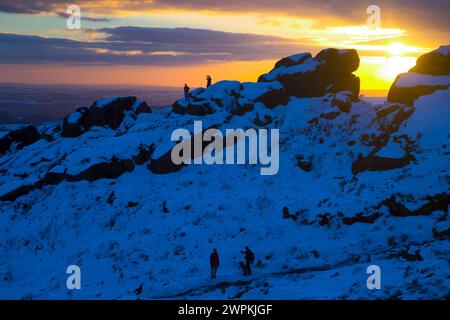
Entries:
{"x":170,"y":42}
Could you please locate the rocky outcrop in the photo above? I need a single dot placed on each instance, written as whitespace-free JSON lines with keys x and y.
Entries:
{"x":300,"y":75}
{"x":231,"y":97}
{"x":437,"y":202}
{"x":20,"y":138}
{"x":111,"y":169}
{"x":431,"y":73}
{"x":376,"y":163}
{"x":361,"y":218}
{"x":303,"y":76}
{"x":441,"y":230}
{"x":104,"y":170}
{"x":108,"y":113}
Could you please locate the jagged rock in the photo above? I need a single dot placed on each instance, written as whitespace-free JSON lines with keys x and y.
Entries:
{"x":437,"y":202}
{"x":361,"y":218}
{"x":104,"y":170}
{"x":376,"y":163}
{"x":387,"y":111}
{"x":441,"y":230}
{"x":262,"y":123}
{"x":325,"y":219}
{"x":343,"y":100}
{"x":20,"y":138}
{"x":164,"y":164}
{"x":287,"y":215}
{"x":304,"y":164}
{"x":106,"y":112}
{"x":231,"y":96}
{"x":330,"y":71}
{"x":411,"y":256}
{"x":144,"y":155}
{"x":18,"y":192}
{"x":431,"y":73}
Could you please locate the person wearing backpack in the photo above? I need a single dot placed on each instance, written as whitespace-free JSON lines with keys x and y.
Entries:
{"x":249,"y":258}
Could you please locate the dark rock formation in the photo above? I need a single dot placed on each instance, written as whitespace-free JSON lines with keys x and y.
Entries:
{"x":437,"y":202}
{"x":361,"y":218}
{"x":104,"y":170}
{"x":430,"y":74}
{"x":109,"y":113}
{"x":376,"y":163}
{"x":329,"y":71}
{"x":20,"y":138}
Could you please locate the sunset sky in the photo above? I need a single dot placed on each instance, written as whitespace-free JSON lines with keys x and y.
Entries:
{"x":170,"y":42}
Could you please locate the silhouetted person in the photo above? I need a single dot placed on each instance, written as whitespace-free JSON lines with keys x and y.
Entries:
{"x":249,"y":258}
{"x":208,"y":81}
{"x":186,"y":92}
{"x":214,"y":261}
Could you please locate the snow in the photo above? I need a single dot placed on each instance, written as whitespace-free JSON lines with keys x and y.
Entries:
{"x":251,"y":90}
{"x":104,"y":102}
{"x":74,"y":117}
{"x":308,"y":65}
{"x":136,"y":104}
{"x":119,"y":247}
{"x":444,"y":50}
{"x":412,"y":79}
{"x":299,"y":56}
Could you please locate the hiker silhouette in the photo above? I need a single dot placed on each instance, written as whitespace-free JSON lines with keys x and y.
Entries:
{"x":186,"y":92}
{"x":208,"y":81}
{"x":249,"y":258}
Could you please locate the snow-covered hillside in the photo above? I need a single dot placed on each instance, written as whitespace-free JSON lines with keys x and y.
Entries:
{"x":359,"y":184}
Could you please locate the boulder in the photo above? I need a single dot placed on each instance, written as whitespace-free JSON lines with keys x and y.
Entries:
{"x":343,"y":100}
{"x":107,"y":112}
{"x":231,"y":97}
{"x":436,"y":63}
{"x":20,"y":138}
{"x":329,"y":71}
{"x":431,"y":73}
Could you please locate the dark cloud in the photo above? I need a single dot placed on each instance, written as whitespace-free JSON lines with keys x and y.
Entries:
{"x":146,"y":46}
{"x":430,"y":14}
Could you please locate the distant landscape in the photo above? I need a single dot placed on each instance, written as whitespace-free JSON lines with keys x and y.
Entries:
{"x":25,"y":103}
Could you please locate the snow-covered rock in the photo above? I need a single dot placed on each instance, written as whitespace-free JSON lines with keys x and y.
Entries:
{"x":106,"y":112}
{"x":431,"y":73}
{"x":329,"y":71}
{"x":19,"y":138}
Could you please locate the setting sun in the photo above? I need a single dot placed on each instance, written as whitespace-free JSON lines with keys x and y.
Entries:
{"x":397,"y":49}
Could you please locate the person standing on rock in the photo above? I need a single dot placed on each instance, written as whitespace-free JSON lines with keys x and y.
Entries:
{"x":186,"y":92}
{"x":249,"y":258}
{"x":208,"y":81}
{"x":214,"y":262}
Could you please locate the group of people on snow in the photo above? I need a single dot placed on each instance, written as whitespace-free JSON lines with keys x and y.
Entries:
{"x":245,"y":266}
